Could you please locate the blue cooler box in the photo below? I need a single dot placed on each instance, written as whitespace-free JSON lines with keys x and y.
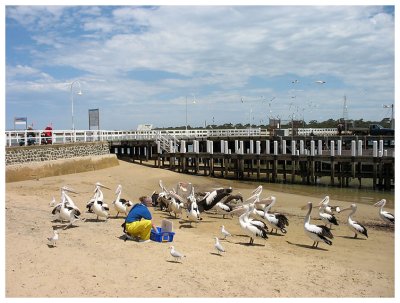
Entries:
{"x":161,"y":236}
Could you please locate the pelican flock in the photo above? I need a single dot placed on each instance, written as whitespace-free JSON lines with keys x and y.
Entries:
{"x":255,"y":217}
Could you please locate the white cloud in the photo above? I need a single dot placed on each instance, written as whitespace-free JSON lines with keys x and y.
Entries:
{"x":215,"y":49}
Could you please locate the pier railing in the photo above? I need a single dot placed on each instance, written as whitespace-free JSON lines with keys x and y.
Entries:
{"x":37,"y":137}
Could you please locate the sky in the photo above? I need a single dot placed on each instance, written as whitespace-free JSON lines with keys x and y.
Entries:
{"x":204,"y":64}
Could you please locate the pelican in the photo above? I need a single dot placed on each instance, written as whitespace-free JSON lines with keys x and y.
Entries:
{"x":317,"y":233}
{"x":327,"y":218}
{"x":53,"y":239}
{"x":354,"y":226}
{"x":251,"y":227}
{"x":218,"y":246}
{"x":328,"y":208}
{"x":98,"y":193}
{"x":66,"y":210}
{"x":176,"y":254}
{"x":211,"y":199}
{"x":225,"y":208}
{"x":121,"y":205}
{"x":99,"y":208}
{"x":275,"y":221}
{"x":193,"y":213}
{"x":176,"y":206}
{"x":225,"y":232}
{"x":386,"y":216}
{"x":320,"y":81}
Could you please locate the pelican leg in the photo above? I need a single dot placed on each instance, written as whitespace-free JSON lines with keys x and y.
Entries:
{"x":355,"y":235}
{"x":117,"y":215}
{"x":316,"y":245}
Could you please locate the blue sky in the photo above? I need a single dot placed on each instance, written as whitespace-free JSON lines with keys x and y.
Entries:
{"x":139,"y":64}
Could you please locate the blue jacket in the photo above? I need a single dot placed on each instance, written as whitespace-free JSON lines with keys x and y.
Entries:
{"x":138,"y":212}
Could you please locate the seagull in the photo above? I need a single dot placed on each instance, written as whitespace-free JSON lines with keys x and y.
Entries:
{"x":176,"y":254}
{"x":320,"y":81}
{"x":386,"y":216}
{"x":225,"y":232}
{"x":53,"y":239}
{"x":354,"y":226}
{"x":317,"y":233}
{"x":218,"y":246}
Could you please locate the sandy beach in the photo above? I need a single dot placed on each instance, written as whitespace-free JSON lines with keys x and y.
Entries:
{"x":92,"y":260}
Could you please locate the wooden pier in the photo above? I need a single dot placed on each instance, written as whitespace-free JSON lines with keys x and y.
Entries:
{"x":287,"y":160}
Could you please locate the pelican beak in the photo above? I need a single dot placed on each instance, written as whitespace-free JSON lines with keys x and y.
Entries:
{"x":379,"y":203}
{"x":101,"y":185}
{"x":344,"y":209}
{"x":69,"y":190}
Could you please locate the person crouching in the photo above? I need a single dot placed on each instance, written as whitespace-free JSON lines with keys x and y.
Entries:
{"x":138,"y":221}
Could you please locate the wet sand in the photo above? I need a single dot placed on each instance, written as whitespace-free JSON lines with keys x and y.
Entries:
{"x":92,"y":260}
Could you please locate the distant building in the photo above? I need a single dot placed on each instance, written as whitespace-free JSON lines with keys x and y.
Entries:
{"x":145,"y":127}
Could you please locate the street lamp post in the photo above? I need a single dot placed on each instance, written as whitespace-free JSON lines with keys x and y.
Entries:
{"x":72,"y":100}
{"x":392,"y":115}
{"x":186,"y":103}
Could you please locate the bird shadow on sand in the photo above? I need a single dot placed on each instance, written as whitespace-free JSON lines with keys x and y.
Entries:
{"x":351,"y":238}
{"x":275,"y":235}
{"x":216,"y":254}
{"x":249,"y":244}
{"x":95,"y":220}
{"x":218,"y":217}
{"x":306,"y":246}
{"x":173,"y":261}
{"x":63,"y":226}
{"x":51,"y":246}
{"x":185,"y":225}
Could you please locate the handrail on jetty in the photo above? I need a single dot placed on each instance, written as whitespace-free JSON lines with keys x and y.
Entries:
{"x":27,"y":137}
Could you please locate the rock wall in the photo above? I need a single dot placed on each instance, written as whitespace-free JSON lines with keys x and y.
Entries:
{"x":40,"y":153}
{"x":35,"y":162}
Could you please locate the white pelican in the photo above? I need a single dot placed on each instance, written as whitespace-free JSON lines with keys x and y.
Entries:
{"x":211,"y":199}
{"x":354,"y":226}
{"x":327,"y":218}
{"x":54,"y":238}
{"x":176,"y":207}
{"x":193,"y":213}
{"x":251,"y":227}
{"x":328,"y":208}
{"x":225,"y":232}
{"x":99,"y":208}
{"x":386,"y":216}
{"x":121,"y":205}
{"x":66,"y":210}
{"x":317,"y":233}
{"x":218,"y":246}
{"x":275,"y":221}
{"x":97,"y":193}
{"x":176,"y":254}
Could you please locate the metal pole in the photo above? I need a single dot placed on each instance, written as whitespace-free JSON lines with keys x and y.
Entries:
{"x":72,"y":101}
{"x":186,"y":114}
